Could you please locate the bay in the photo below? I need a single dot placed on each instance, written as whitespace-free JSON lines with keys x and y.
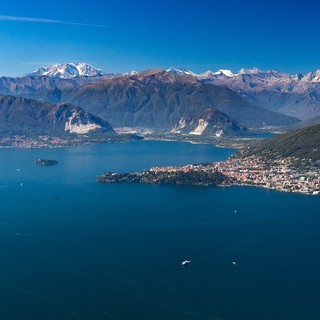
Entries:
{"x":71,"y":248}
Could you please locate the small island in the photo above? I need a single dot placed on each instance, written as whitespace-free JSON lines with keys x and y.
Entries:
{"x":46,"y":162}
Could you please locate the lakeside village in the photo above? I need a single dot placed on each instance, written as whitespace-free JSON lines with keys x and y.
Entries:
{"x":253,"y":171}
{"x":277,"y":174}
{"x":41,"y":141}
{"x":62,"y":140}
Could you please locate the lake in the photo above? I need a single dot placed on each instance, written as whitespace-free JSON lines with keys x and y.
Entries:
{"x":75,"y":249}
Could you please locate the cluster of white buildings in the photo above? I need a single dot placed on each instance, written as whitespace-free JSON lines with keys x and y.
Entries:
{"x":279,"y":175}
{"x":254,"y":171}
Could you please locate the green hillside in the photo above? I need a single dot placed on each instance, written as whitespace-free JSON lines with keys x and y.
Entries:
{"x":302,"y":144}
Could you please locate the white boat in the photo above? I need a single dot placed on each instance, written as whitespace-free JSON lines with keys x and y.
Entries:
{"x":185,"y":263}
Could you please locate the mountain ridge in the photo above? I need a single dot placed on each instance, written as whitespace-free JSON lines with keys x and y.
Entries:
{"x":294,"y":95}
{"x":69,"y":70}
{"x":301,"y":145}
{"x":158,"y":99}
{"x":21,"y":115}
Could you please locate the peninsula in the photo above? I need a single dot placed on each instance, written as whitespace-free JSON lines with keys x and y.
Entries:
{"x":289,"y":162}
{"x":189,"y":175}
{"x":250,"y":171}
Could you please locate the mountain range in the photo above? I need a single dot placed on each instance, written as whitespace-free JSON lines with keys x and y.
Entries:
{"x":295,"y":95}
{"x":177,"y":100}
{"x":158,"y":99}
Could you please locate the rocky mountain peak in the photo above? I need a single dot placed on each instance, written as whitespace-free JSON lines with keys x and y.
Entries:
{"x":68,"y":70}
{"x":313,"y":76}
{"x":175,"y":71}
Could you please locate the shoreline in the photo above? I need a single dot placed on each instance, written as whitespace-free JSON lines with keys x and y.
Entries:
{"x":232,"y":143}
{"x":36,"y":144}
{"x":246,"y":185}
{"x":61,"y":141}
{"x":251,"y":171}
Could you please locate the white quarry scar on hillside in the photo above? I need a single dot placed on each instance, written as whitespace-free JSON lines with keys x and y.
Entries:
{"x":79,"y":128}
{"x":202,"y":125}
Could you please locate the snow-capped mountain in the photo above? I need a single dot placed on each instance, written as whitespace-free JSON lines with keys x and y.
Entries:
{"x":222,"y":73}
{"x":295,"y":95}
{"x":313,"y":76}
{"x":68,"y":70}
{"x":254,"y":79}
{"x":244,"y":76}
{"x":175,"y":71}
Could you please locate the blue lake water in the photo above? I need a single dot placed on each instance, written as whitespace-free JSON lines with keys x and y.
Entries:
{"x":74,"y":249}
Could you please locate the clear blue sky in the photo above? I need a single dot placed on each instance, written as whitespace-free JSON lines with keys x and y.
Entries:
{"x":125,"y":35}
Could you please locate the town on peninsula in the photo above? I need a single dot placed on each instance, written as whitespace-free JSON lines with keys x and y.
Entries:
{"x":288,"y":162}
{"x":251,"y":171}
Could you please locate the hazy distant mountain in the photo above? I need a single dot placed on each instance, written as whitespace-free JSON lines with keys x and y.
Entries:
{"x":20,"y":115}
{"x":44,"y":88}
{"x":68,"y":70}
{"x":305,"y":123}
{"x":295,"y":95}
